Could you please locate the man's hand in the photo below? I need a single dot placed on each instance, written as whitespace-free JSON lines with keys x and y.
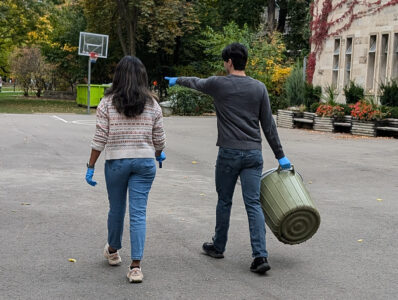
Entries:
{"x":89,"y":177}
{"x":172,"y":80}
{"x":284,"y":163}
{"x":160,"y":158}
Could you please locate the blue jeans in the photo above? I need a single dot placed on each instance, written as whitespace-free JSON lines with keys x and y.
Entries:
{"x":135,"y":175}
{"x":247,"y":164}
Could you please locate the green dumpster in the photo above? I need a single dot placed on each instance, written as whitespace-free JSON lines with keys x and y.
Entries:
{"x":288,"y":208}
{"x":96,"y":93}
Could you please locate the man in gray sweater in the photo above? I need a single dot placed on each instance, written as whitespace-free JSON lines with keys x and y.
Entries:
{"x":242,"y":104}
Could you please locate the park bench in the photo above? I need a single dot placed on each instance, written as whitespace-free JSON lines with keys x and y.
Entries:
{"x":306,"y":119}
{"x":388,"y":127}
{"x":343,"y":125}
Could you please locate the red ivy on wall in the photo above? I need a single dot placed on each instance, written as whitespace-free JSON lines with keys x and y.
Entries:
{"x":321,"y":24}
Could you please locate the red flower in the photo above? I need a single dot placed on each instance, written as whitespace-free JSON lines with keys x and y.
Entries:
{"x":155,"y":83}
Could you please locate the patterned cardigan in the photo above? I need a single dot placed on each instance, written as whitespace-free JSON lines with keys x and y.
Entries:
{"x":124,"y":137}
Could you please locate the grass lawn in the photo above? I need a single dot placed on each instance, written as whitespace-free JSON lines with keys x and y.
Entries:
{"x":15,"y":103}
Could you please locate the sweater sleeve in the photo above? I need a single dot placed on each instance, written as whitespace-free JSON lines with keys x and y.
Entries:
{"x":202,"y":85}
{"x":158,"y":134}
{"x":269,"y":127}
{"x":102,"y":128}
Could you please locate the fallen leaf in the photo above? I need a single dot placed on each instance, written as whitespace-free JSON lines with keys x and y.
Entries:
{"x":309,"y":182}
{"x":360,"y":241}
{"x":194,"y":162}
{"x":203,"y":194}
{"x":24,"y":203}
{"x":72,"y":260}
{"x":379,"y":199}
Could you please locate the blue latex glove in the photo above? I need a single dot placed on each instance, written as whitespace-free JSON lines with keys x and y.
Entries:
{"x":172,"y":80}
{"x":89,"y":177}
{"x":284,"y":162}
{"x":161,"y":158}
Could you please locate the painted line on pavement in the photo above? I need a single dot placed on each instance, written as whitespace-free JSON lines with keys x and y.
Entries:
{"x":84,"y":122}
{"x":58,"y":118}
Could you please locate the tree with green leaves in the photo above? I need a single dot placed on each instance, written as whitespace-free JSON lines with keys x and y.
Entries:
{"x":298,"y":36}
{"x":153,"y":25}
{"x":62,"y":47}
{"x":17,"y":18}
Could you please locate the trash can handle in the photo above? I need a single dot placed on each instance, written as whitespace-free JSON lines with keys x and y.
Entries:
{"x":291,"y":169}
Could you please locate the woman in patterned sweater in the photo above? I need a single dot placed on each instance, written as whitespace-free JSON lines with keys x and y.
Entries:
{"x":129,"y":128}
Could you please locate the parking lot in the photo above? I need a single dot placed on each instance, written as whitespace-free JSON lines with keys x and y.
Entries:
{"x":48,"y":214}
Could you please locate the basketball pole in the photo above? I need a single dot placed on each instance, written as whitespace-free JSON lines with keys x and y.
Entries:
{"x":88,"y":85}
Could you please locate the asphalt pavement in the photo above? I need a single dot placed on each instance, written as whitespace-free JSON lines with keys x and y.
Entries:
{"x":49,"y":214}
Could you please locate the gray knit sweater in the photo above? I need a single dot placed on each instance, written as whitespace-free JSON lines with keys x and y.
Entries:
{"x":241,"y":104}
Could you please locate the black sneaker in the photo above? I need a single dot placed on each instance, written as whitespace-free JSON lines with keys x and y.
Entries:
{"x":260,"y":265}
{"x":210,"y":250}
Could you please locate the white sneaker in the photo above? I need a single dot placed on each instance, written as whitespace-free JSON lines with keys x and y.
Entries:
{"x":113,"y":258}
{"x":135,"y":275}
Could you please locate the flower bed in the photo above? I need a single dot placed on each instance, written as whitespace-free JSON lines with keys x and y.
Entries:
{"x":365,"y":117}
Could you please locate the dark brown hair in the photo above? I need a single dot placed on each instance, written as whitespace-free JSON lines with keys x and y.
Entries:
{"x":130,"y":90}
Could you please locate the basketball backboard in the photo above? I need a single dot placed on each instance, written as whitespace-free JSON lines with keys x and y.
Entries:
{"x":93,"y":42}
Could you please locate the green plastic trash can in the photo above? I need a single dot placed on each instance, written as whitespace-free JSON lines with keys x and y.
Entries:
{"x":288,"y":208}
{"x":96,"y":93}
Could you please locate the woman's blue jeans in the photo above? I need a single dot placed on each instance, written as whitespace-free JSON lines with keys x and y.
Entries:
{"x":135,"y":175}
{"x":247,"y":164}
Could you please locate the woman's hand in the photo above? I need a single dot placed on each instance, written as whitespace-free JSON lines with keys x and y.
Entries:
{"x":89,"y":176}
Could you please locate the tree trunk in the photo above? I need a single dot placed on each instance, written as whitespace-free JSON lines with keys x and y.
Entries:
{"x":132,"y":30}
{"x":129,"y":18}
{"x":282,"y":15}
{"x":271,"y":15}
{"x":120,"y":35}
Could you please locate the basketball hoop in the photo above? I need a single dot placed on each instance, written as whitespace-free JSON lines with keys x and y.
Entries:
{"x":93,"y":57}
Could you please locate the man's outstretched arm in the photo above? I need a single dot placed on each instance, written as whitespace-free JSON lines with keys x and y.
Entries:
{"x":202,"y":85}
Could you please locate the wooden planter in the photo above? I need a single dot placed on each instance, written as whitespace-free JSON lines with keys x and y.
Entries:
{"x":367,"y":128}
{"x":323,"y":124}
{"x":284,"y":118}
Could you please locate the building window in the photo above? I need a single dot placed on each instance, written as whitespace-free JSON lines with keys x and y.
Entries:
{"x":336,"y":62}
{"x":394,"y":74}
{"x":348,"y":61}
{"x":383,"y":58}
{"x":371,"y":62}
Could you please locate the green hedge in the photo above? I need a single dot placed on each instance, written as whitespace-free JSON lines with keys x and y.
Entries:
{"x":353,"y":93}
{"x":312,"y":94}
{"x":389,"y":93}
{"x":189,"y":102}
{"x":393,"y":112}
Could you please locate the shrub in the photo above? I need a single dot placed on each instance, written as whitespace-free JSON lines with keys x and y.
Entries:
{"x":330,"y":96}
{"x":189,"y":102}
{"x":278,"y":102}
{"x":295,"y":87}
{"x":389,"y":93}
{"x":267,"y":63}
{"x":393,"y":112}
{"x":353,"y":93}
{"x":347,"y":109}
{"x":314,"y":106}
{"x":312,"y":94}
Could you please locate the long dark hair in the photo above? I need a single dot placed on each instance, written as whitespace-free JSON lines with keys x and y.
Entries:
{"x":130,"y":89}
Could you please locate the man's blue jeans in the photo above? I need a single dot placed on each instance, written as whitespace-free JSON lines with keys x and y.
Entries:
{"x":135,"y":175}
{"x":247,"y":164}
